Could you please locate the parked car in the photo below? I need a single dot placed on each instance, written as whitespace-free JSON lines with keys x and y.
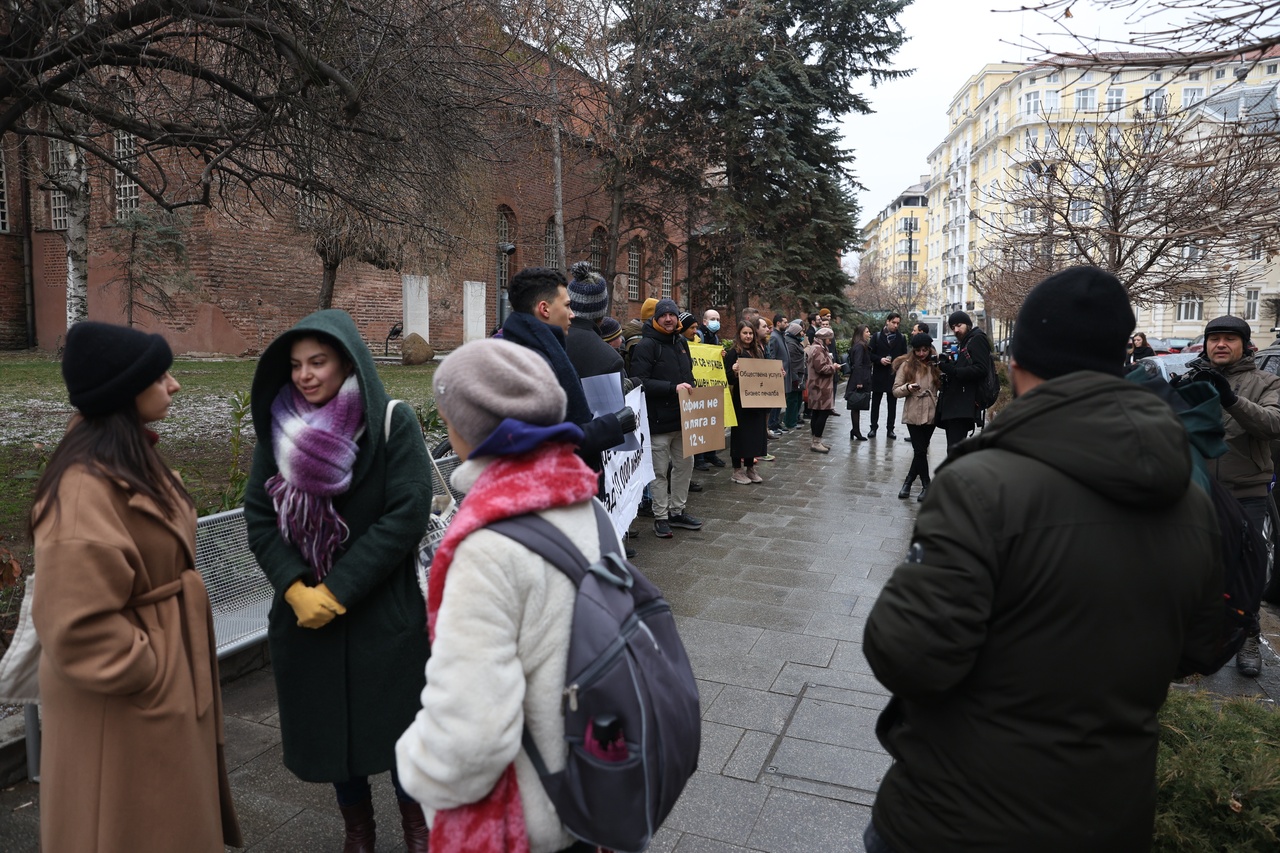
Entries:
{"x":1160,"y":345}
{"x":1173,"y":363}
{"x":1196,"y":345}
{"x":1178,"y":344}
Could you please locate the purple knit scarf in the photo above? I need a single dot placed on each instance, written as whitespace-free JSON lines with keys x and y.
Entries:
{"x":315,"y":450}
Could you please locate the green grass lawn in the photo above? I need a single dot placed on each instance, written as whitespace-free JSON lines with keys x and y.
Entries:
{"x":195,"y":439}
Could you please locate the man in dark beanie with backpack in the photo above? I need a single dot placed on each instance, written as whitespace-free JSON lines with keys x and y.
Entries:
{"x":1064,"y":569}
{"x":1251,"y":415}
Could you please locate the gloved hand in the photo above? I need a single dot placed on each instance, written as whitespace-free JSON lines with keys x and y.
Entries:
{"x":1220,"y":383}
{"x":626,"y":419}
{"x":314,"y":606}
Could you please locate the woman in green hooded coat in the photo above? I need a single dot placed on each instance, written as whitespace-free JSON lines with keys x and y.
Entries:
{"x":334,"y":514}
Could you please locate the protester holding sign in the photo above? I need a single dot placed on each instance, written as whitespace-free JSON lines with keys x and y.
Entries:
{"x":747,"y":440}
{"x":660,"y":362}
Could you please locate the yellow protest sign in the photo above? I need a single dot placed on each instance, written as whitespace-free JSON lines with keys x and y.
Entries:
{"x":708,"y":371}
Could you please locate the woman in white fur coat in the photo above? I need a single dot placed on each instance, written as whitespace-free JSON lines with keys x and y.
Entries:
{"x":499,"y":615}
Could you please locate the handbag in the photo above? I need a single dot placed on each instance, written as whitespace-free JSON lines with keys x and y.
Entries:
{"x":858,"y":401}
{"x":443,"y":508}
{"x":20,"y":666}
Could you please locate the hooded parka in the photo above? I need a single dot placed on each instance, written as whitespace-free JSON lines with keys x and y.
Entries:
{"x":347,"y":690}
{"x":1063,"y":571}
{"x":132,"y":713}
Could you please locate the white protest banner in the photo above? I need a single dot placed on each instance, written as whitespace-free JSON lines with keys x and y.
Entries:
{"x":760,"y":383}
{"x":702,"y":419}
{"x":627,"y":472}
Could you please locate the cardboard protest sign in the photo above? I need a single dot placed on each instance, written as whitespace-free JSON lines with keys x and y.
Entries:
{"x":708,"y":371}
{"x":702,"y":420}
{"x":628,"y":468}
{"x":760,"y":383}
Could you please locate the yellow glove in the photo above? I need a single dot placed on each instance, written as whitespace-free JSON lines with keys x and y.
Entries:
{"x":315,"y":606}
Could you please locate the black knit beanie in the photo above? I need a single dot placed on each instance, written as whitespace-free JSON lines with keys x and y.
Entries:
{"x":107,"y":366}
{"x":959,"y":317}
{"x":1077,"y":319}
{"x":921,"y":340}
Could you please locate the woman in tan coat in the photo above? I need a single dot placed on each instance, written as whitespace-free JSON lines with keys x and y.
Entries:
{"x":821,"y":386}
{"x":133,"y":741}
{"x":916,"y":379}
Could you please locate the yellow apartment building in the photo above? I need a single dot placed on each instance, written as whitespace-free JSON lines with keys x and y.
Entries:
{"x":1007,"y":120}
{"x":894,"y":255}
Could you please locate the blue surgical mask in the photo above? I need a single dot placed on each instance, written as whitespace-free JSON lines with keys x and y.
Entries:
{"x":713,"y":326}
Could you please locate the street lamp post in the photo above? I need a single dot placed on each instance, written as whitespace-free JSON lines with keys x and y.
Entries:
{"x":909,"y":225}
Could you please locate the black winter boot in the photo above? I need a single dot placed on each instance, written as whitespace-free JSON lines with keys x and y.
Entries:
{"x":905,"y":491}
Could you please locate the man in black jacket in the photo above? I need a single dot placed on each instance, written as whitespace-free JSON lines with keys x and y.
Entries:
{"x":886,"y":345}
{"x":1063,"y":570}
{"x":539,"y":320}
{"x":660,"y":361}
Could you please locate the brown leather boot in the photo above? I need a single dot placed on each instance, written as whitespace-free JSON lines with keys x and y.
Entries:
{"x":360,"y":827}
{"x":415,"y":828}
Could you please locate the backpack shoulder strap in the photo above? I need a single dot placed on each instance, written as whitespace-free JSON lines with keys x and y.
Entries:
{"x":544,"y":539}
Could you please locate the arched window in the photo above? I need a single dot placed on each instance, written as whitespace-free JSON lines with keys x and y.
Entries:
{"x":633,"y":271}
{"x":597,"y":249}
{"x":550,"y":245}
{"x":668,"y":271}
{"x":506,"y":227}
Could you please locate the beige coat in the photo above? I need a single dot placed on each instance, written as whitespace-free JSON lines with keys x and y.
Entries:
{"x":919,"y":405}
{"x":822,"y":377}
{"x":133,"y":741}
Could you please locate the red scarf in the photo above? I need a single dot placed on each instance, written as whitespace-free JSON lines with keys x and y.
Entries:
{"x":551,"y":476}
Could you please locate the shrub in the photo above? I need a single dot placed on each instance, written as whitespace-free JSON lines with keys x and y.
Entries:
{"x":1218,"y":776}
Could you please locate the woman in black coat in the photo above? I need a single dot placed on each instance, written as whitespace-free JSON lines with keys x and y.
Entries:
{"x":958,"y":406}
{"x":858,"y":366}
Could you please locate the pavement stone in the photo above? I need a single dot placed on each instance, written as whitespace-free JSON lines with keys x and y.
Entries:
{"x":771,"y":598}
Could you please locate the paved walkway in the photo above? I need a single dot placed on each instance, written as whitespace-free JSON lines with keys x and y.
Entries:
{"x":771,"y":598}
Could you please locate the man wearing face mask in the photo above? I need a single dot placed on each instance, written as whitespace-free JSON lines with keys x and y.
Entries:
{"x":709,"y":328}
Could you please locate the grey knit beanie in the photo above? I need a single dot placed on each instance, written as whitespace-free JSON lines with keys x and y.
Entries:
{"x":666,"y":306}
{"x":483,"y":382}
{"x":589,"y":296}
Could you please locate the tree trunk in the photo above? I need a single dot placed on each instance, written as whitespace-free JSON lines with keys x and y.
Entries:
{"x":77,"y":238}
{"x":557,"y":177}
{"x":327,"y":281}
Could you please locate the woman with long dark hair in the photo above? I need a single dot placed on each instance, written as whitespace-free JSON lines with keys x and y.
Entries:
{"x":916,"y":379}
{"x":133,"y":741}
{"x":857,"y":393}
{"x":748,"y":440}
{"x":336,"y":505}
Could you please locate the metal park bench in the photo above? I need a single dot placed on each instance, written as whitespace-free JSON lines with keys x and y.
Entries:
{"x":239,"y":594}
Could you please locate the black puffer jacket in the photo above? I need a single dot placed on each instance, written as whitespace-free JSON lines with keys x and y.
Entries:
{"x":963,"y":376}
{"x":660,"y":362}
{"x":1063,"y":571}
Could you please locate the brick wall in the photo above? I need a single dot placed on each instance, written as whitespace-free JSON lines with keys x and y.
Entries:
{"x":257,"y":275}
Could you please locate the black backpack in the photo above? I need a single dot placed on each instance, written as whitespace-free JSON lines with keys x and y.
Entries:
{"x":631,"y":712}
{"x":988,"y":390}
{"x":1244,"y":570}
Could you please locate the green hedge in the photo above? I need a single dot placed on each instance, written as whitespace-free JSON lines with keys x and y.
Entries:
{"x":1218,"y":776}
